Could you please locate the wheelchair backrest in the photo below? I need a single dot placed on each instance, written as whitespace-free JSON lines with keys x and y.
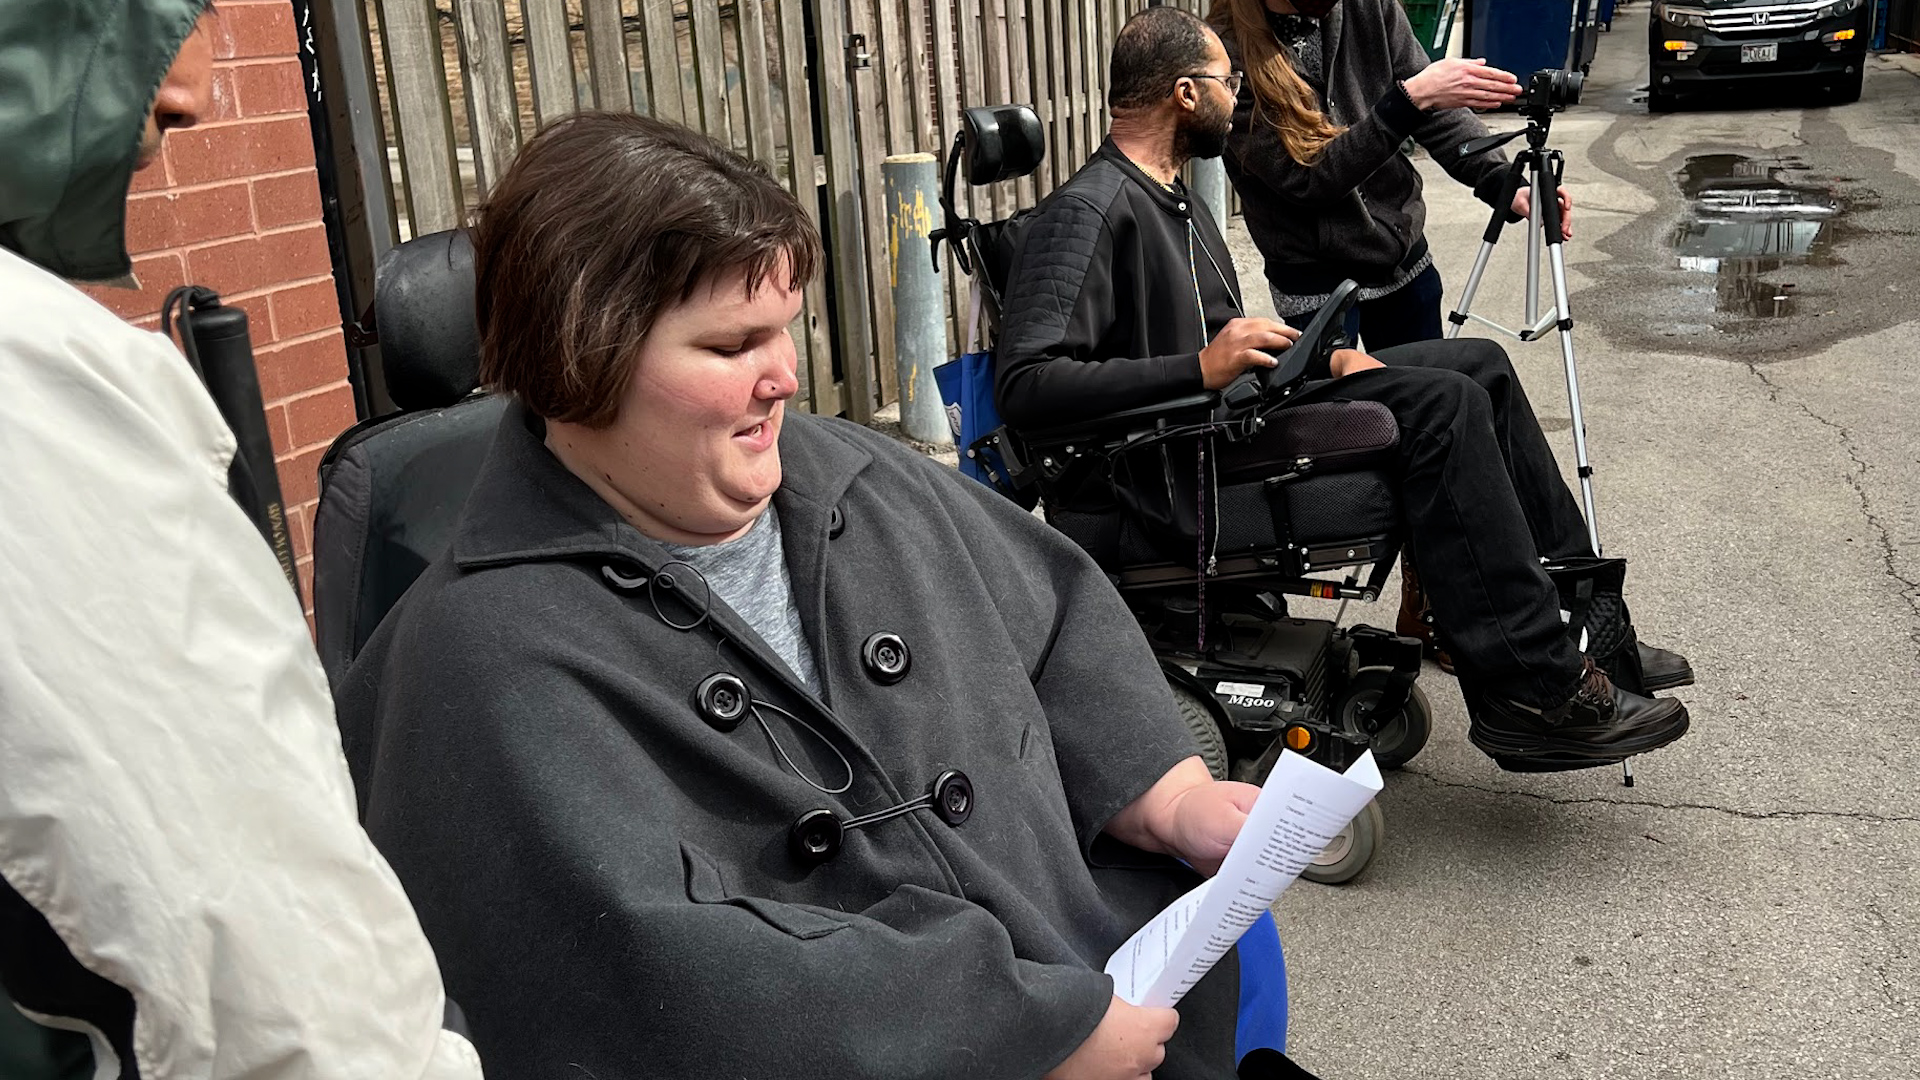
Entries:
{"x":995,"y":143}
{"x":392,"y":488}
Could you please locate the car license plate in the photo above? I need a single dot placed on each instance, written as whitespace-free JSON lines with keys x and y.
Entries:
{"x":1760,"y":54}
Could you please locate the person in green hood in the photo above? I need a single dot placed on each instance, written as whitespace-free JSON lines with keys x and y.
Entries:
{"x":184,"y":889}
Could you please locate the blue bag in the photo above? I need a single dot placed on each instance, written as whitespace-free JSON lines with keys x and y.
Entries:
{"x":966,"y":389}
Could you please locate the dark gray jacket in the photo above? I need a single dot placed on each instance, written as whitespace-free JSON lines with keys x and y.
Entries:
{"x":1356,"y":212}
{"x":606,"y":877}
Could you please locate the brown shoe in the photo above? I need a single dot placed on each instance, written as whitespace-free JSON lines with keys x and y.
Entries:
{"x":1416,"y":616}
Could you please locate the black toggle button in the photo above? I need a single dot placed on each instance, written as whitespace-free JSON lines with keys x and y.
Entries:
{"x":722,"y":701}
{"x":815,"y":838}
{"x":836,"y":524}
{"x":953,"y":797}
{"x":886,"y":658}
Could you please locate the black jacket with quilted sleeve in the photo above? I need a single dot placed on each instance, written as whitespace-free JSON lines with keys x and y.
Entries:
{"x":1117,"y":285}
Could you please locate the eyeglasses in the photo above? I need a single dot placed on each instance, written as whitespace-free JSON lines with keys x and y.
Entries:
{"x":1232,"y":81}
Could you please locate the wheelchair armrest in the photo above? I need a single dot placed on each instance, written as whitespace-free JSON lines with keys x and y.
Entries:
{"x":1188,"y":409}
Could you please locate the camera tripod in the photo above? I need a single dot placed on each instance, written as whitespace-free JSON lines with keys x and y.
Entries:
{"x":1540,"y":169}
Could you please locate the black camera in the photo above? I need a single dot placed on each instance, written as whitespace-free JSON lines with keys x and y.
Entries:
{"x":1550,"y":90}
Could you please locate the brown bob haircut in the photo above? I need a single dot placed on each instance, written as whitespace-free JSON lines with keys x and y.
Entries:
{"x":604,"y":221}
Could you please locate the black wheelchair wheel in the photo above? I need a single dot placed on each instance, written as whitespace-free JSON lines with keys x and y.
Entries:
{"x":1400,"y":737}
{"x":1351,"y":850}
{"x":1206,"y":730}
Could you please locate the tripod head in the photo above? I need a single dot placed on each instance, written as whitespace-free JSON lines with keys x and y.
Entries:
{"x":1548,"y":91}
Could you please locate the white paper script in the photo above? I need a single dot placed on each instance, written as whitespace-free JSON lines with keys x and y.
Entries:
{"x":1301,"y":808}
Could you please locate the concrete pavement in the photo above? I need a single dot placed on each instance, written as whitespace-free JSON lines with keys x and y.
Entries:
{"x":1752,"y":909}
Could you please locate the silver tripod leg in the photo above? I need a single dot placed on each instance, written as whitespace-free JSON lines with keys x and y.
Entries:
{"x":1534,"y":232}
{"x":1585,"y":467}
{"x":1454,"y":326}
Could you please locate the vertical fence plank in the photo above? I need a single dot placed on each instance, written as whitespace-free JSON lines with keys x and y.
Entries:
{"x":1077,"y":82}
{"x":756,"y":82}
{"x":549,"y":58}
{"x":973,"y":87}
{"x":607,"y":56}
{"x":892,"y":84}
{"x":417,"y":86}
{"x":665,"y":98}
{"x":710,"y":67}
{"x":993,"y":60}
{"x":492,"y":117}
{"x":1099,"y":50}
{"x":834,"y":97}
{"x":1094,"y":28}
{"x":822,"y":392}
{"x":1040,"y":17}
{"x":920,"y":77}
{"x":947,"y":106}
{"x":1019,"y":78}
{"x":871,"y":136}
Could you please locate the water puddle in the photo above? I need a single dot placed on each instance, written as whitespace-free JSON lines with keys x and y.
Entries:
{"x":1750,"y":222}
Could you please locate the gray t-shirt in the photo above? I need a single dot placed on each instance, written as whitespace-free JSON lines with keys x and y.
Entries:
{"x":750,"y":574}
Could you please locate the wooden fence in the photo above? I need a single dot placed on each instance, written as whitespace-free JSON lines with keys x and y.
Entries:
{"x":431,"y":98}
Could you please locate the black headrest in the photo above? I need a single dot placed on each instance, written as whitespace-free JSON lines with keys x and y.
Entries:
{"x":423,"y":309}
{"x":1001,"y":142}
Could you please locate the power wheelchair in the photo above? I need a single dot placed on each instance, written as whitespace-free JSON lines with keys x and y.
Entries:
{"x":392,"y":490}
{"x":1250,"y":678}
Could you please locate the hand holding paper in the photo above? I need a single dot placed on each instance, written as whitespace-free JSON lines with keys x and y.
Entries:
{"x":1207,"y":819}
{"x":1301,"y":808}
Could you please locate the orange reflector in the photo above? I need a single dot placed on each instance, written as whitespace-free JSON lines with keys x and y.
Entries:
{"x":1841,"y":35}
{"x":1298,"y":739}
{"x":1679,"y":46}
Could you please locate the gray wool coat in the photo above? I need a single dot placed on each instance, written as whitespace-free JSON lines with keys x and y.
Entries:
{"x":605,"y":876}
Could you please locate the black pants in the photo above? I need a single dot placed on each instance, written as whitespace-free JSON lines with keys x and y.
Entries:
{"x":1483,"y":502}
{"x":1407,"y":314}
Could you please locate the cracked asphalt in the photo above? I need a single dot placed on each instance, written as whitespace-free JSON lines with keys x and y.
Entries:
{"x":1751,"y":909}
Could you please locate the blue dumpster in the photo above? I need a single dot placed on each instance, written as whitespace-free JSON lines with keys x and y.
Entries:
{"x":1521,"y":36}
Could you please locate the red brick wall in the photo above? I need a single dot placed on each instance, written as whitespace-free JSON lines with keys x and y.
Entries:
{"x":233,"y":205}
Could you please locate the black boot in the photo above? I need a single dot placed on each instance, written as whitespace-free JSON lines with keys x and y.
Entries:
{"x":1599,"y":724}
{"x":1662,"y":669}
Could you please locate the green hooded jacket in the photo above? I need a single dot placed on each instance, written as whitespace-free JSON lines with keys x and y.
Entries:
{"x":77,"y":82}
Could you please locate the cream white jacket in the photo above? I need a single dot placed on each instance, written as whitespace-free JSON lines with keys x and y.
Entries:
{"x":172,"y":793}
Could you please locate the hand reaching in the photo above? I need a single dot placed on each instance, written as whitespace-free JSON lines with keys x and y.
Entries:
{"x":1455,"y":83}
{"x":1523,"y":206}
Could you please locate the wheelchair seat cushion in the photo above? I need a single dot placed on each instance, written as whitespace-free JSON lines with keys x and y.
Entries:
{"x":1336,"y":434}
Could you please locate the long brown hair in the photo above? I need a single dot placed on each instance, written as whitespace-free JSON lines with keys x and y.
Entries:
{"x":1280,"y":96}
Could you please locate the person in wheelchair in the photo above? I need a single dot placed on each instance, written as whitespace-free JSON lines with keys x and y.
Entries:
{"x":1123,"y":294}
{"x":726,"y":740}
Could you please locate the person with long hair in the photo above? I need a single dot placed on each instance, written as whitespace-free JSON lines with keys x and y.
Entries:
{"x":1333,"y":90}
